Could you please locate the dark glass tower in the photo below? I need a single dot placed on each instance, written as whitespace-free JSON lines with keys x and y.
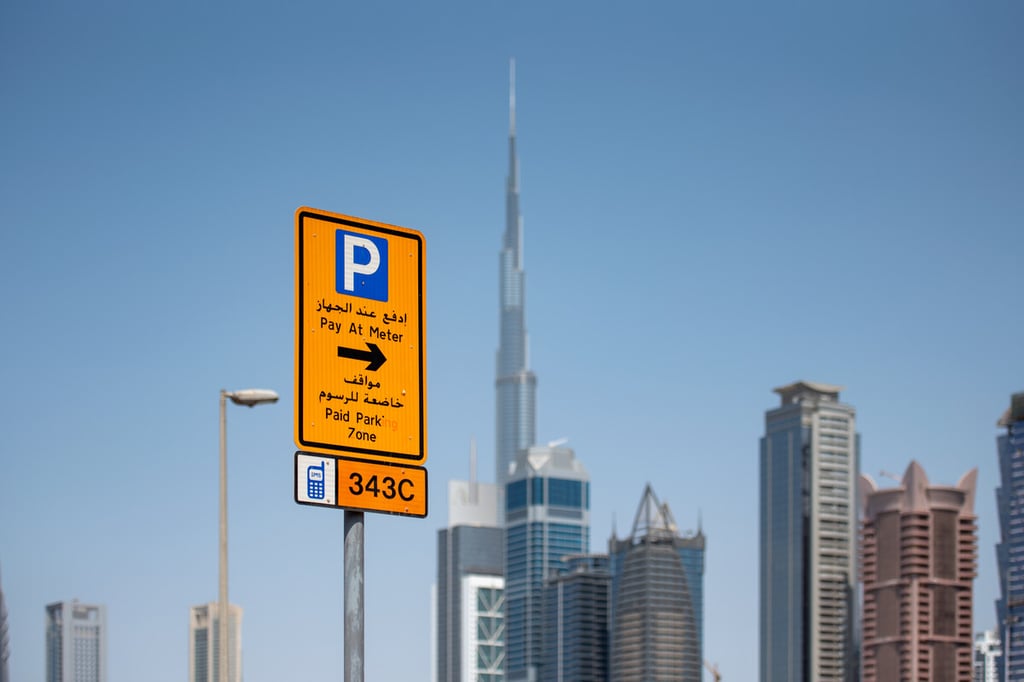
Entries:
{"x":516,"y":385}
{"x":656,"y":598}
{"x":1010,"y":550}
{"x":576,"y":621}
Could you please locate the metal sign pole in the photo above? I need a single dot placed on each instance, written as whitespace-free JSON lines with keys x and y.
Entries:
{"x":353,"y":596}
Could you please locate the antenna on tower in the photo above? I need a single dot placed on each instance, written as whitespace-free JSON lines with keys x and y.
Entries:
{"x":512,"y":96}
{"x":474,"y":492}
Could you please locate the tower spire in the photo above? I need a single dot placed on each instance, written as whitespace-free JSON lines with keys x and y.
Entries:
{"x":515,"y":383}
{"x":513,"y":157}
{"x":512,"y":97}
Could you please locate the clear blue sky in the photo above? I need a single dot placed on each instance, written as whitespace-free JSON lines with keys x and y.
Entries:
{"x":718,"y":199}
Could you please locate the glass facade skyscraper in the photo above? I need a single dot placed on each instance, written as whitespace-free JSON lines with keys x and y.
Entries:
{"x":576,"y":621}
{"x":1010,"y":549}
{"x":810,"y":461}
{"x":657,"y":598}
{"x":547,"y":520}
{"x":516,"y":385}
{"x":76,"y":642}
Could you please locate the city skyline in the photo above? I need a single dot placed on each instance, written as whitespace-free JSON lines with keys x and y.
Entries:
{"x":685,"y":169}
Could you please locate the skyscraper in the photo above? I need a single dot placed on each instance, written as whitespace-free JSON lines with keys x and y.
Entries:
{"x":920,"y":552}
{"x":576,"y":621}
{"x":1010,"y":550}
{"x":204,"y":647}
{"x":987,"y":655}
{"x":547,"y":520}
{"x":469,"y":622}
{"x":656,"y":598}
{"x":809,"y":467}
{"x":5,"y":642}
{"x":515,"y":384}
{"x":76,"y":642}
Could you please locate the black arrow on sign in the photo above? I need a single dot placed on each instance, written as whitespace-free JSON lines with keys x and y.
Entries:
{"x":372,"y":356}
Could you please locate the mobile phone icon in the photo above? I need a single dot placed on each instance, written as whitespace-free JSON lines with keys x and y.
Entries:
{"x":315,"y":481}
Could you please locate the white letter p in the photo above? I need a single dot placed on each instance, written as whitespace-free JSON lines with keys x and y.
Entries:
{"x":351,"y":267}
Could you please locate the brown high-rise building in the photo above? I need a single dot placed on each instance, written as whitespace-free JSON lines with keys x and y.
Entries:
{"x":919,"y":551}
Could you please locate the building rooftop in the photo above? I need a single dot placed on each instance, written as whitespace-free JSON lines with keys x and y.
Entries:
{"x":796,"y":391}
{"x":1015,"y":412}
{"x":916,"y":493}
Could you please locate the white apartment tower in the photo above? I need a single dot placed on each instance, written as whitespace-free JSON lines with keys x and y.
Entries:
{"x":76,"y":642}
{"x":203,"y":651}
{"x":988,"y":656}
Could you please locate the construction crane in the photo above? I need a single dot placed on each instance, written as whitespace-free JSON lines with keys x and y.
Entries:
{"x":713,"y":669}
{"x":890,"y":476}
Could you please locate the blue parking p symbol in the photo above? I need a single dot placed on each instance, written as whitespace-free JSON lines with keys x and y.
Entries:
{"x":361,"y":265}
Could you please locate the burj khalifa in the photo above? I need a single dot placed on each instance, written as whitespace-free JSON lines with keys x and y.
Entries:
{"x":516,"y":385}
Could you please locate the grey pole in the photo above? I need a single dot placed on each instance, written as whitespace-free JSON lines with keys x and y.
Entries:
{"x":250,"y":398}
{"x":222,"y":596}
{"x":354,"y":614}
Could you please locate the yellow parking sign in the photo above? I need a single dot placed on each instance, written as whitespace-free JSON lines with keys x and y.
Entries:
{"x":360,"y":353}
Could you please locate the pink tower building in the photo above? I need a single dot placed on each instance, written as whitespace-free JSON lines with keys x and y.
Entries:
{"x":919,"y":553}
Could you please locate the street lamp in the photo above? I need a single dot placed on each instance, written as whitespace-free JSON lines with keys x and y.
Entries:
{"x":249,"y":397}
